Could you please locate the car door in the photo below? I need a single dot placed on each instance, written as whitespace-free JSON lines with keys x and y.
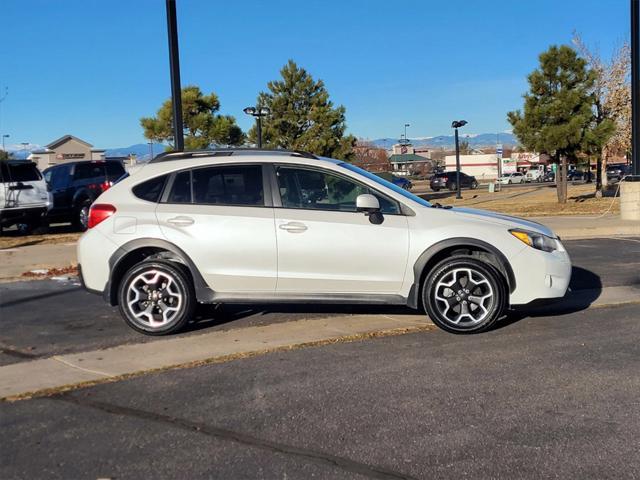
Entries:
{"x":326,"y":246}
{"x":219,"y":217}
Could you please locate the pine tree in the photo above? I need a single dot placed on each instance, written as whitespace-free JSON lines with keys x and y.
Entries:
{"x":558,"y":116}
{"x":302,"y":116}
{"x":202,"y":126}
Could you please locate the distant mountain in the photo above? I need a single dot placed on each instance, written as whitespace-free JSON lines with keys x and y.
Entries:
{"x":140,"y":150}
{"x":448,"y":141}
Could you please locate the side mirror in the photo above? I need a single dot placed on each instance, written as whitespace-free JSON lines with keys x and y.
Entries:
{"x":367,"y":203}
{"x":370,"y":205}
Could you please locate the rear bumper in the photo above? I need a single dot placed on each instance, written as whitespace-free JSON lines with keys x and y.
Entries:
{"x":10,"y":216}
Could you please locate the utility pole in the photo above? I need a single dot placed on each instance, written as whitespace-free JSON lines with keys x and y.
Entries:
{"x":174,"y":65}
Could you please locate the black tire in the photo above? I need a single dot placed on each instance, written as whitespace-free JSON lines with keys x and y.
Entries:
{"x":182,"y":287}
{"x":81,"y":217}
{"x":474,"y":185}
{"x":441,"y":311}
{"x":435,"y":189}
{"x":510,"y":182}
{"x":453,"y":187}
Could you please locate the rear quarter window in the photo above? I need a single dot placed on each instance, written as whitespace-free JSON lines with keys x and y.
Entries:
{"x":151,"y":190}
{"x":115,"y":170}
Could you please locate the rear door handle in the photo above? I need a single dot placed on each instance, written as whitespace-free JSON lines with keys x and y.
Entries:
{"x":181,"y":221}
{"x":293,"y":227}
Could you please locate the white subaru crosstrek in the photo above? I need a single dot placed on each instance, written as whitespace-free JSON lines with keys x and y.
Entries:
{"x":255,"y":226}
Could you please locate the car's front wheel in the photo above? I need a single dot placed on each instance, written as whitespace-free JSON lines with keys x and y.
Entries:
{"x":156,"y":297}
{"x":474,"y":185}
{"x":464,"y":295}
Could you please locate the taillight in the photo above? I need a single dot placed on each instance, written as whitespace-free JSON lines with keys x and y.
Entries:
{"x":99,"y":212}
{"x":105,"y":185}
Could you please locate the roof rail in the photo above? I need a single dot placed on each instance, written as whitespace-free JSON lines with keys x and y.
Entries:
{"x":226,"y":152}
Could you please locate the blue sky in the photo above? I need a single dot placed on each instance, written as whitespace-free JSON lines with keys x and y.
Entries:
{"x":93,"y":68}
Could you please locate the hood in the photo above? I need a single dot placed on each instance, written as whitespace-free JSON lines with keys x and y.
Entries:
{"x":506,"y":220}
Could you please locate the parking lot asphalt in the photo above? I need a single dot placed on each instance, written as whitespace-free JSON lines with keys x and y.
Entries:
{"x":49,"y":317}
{"x":547,"y":397}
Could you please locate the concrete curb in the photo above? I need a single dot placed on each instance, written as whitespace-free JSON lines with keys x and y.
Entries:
{"x":62,"y":372}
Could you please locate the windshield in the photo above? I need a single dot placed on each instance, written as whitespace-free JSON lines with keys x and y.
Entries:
{"x":383,"y":182}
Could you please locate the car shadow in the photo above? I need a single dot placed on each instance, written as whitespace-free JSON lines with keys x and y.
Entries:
{"x":209,"y":316}
{"x":584,"y":289}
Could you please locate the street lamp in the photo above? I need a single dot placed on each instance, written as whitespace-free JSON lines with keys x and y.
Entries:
{"x":6,"y":135}
{"x":150,"y":150}
{"x":405,"y":132}
{"x":456,"y":125}
{"x":258,"y":113}
{"x":24,"y":148}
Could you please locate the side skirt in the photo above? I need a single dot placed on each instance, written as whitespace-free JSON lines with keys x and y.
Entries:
{"x":318,"y":298}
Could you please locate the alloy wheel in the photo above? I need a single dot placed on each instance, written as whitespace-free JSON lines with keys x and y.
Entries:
{"x":464,"y":297}
{"x":154,"y":299}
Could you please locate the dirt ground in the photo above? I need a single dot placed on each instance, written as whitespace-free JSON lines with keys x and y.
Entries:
{"x":536,"y":200}
{"x":57,"y":234}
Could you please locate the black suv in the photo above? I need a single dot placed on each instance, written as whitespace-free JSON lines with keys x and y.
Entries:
{"x":75,"y":185}
{"x":615,"y":173}
{"x":448,"y":180}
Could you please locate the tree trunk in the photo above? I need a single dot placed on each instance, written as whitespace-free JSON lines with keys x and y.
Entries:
{"x":561,"y":180}
{"x":605,"y":158}
{"x":599,"y":176}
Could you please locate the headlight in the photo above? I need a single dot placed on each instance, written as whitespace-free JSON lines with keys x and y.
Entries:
{"x":536,"y":240}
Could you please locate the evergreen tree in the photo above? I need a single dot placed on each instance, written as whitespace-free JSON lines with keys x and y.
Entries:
{"x":302,"y":116}
{"x":558,"y":117}
{"x":202,"y":126}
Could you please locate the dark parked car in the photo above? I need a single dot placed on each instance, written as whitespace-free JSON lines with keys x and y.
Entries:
{"x":448,"y":180}
{"x":549,"y":176}
{"x":399,"y":181}
{"x":75,"y":185}
{"x":576,"y":175}
{"x":615,"y":173}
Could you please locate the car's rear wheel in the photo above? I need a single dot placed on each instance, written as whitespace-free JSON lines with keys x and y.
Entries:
{"x":464,"y":295}
{"x":474,"y":185}
{"x":156,"y":298}
{"x":453,"y":186}
{"x":81,"y":220}
{"x":435,"y":189}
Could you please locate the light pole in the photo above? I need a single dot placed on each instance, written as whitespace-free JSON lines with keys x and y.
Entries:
{"x":24,"y":149}
{"x":258,"y":113}
{"x":174,"y":66}
{"x":405,"y":132}
{"x":6,"y":135}
{"x":150,"y":150}
{"x":455,"y":125}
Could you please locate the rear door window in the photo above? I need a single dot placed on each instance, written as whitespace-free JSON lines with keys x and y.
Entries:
{"x":181,"y":188}
{"x":89,"y":171}
{"x":229,"y":185}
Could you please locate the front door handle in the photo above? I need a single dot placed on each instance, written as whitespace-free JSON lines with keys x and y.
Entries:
{"x":293,"y":227}
{"x":181,"y":221}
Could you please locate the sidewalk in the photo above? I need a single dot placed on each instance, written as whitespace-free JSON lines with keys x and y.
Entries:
{"x":573,"y":228}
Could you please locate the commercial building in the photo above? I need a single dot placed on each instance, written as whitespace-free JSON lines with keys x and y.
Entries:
{"x":65,"y":149}
{"x":485,"y":166}
{"x":405,"y":161}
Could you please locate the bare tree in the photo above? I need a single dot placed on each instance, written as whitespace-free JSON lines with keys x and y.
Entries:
{"x":612,"y":92}
{"x":370,"y":157}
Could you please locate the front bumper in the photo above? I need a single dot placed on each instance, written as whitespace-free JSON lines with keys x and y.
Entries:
{"x":540,"y":275}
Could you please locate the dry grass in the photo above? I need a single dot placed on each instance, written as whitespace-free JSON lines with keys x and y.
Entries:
{"x":537,"y":200}
{"x":13,"y":240}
